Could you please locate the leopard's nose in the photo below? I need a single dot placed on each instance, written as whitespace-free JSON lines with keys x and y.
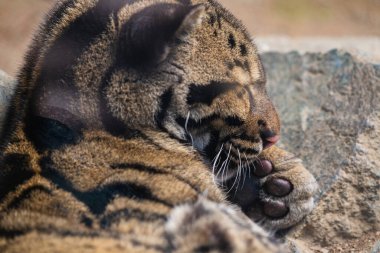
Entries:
{"x":269,"y":138}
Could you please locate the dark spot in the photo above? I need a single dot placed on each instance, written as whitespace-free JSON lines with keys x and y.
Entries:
{"x":135,"y":166}
{"x":245,"y":150}
{"x":247,"y":138}
{"x":88,"y":222}
{"x":128,"y":213}
{"x":231,"y":41}
{"x":261,"y":123}
{"x":219,"y":19}
{"x":216,"y":33}
{"x":239,"y":63}
{"x":165,"y":100}
{"x":230,"y":65}
{"x":15,"y":170}
{"x":10,"y":234}
{"x":244,"y":65}
{"x":241,"y":93}
{"x":16,"y":159}
{"x":243,"y":50}
{"x":234,"y":121}
{"x":212,"y":20}
{"x":205,"y":94}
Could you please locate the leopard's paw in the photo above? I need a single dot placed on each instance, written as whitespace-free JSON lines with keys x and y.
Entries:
{"x":281,"y":190}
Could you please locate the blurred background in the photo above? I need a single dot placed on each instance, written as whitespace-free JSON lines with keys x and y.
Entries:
{"x":277,"y":24}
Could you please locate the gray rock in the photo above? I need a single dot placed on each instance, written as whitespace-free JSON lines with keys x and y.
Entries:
{"x":330,"y":110}
{"x":7,"y":85}
{"x":365,"y":48}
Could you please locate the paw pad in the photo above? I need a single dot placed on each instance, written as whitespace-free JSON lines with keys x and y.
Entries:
{"x":278,"y":187}
{"x":263,"y":168}
{"x":275,"y":210}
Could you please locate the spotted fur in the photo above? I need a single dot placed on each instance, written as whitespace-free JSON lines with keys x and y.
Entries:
{"x":129,"y":119}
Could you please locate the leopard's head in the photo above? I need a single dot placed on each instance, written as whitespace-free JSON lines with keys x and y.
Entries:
{"x":193,"y":71}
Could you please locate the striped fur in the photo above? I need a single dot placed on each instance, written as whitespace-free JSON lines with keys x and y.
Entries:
{"x":121,"y":109}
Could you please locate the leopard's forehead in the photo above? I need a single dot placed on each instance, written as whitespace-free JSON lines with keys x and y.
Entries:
{"x":225,"y":50}
{"x":224,"y":14}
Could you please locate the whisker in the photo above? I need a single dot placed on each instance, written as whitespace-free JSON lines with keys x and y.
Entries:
{"x":240,"y":171}
{"x":260,"y":222}
{"x":245,"y":171}
{"x":186,"y":130}
{"x":216,"y":155}
{"x":236,"y":178}
{"x":229,"y":160}
{"x":215,"y":164}
{"x":254,"y":167}
{"x":225,"y":169}
{"x":249,"y":167}
{"x":226,"y":164}
{"x":222,"y":168}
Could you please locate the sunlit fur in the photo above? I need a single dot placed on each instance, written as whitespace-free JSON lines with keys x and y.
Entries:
{"x":128,"y":118}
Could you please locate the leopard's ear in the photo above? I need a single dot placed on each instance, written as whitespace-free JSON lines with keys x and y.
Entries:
{"x":149,"y":33}
{"x":191,"y":21}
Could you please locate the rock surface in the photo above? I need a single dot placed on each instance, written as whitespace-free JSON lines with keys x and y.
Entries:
{"x":6,"y":89}
{"x":330,"y":110}
{"x":329,"y":105}
{"x":366,"y":48}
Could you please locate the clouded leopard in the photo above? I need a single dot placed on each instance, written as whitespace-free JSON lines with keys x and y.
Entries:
{"x":145,"y":126}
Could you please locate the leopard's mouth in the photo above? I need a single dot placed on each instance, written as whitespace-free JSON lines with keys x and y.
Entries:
{"x":232,"y":155}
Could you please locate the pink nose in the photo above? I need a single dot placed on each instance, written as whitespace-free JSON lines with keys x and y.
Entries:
{"x":267,"y":142}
